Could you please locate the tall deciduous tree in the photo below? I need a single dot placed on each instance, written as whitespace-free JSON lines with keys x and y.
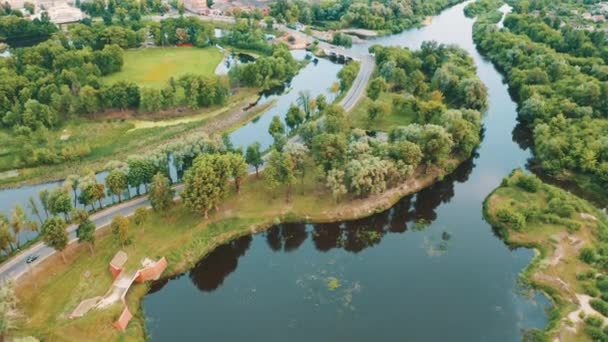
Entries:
{"x":60,"y":202}
{"x":238,"y":169}
{"x":140,"y":217}
{"x":117,"y":183}
{"x":161,"y":194}
{"x":205,"y":182}
{"x":86,"y":234}
{"x":54,"y":234}
{"x":253,"y":156}
{"x":120,"y":229}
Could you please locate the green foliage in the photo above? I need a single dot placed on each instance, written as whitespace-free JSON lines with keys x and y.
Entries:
{"x":120,"y":229}
{"x":140,"y":216}
{"x":86,"y":233}
{"x":266,"y":71}
{"x":511,"y":218}
{"x":253,"y":156}
{"x":557,"y":73}
{"x":341,"y":39}
{"x":347,"y":75}
{"x":161,"y":194}
{"x":54,"y":234}
{"x":206,"y":182}
{"x":529,"y":182}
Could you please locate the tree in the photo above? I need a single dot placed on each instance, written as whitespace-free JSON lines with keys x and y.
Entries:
{"x":54,"y":234}
{"x":329,"y":150}
{"x":276,"y":127}
{"x":238,"y":169}
{"x":116,"y":182}
{"x":19,"y":222}
{"x":294,"y":117}
{"x":44,"y":196}
{"x":335,"y":182}
{"x":140,"y":216}
{"x":72,"y":181}
{"x":31,"y":204}
{"x":161,"y":194}
{"x":120,"y":229}
{"x":321,"y":102}
{"x":6,"y":238}
{"x":282,"y":169}
{"x":253,"y":156}
{"x":205,"y":183}
{"x":86,"y":234}
{"x":60,"y":202}
{"x":305,"y":102}
{"x":376,"y":110}
{"x":375,"y":88}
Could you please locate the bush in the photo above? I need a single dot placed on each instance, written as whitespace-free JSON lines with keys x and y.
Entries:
{"x":587,"y":255}
{"x":594,"y":321}
{"x":530,"y":183}
{"x":511,"y":218}
{"x":600,"y":306}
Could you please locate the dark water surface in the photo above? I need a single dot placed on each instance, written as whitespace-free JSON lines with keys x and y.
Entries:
{"x":428,"y":269}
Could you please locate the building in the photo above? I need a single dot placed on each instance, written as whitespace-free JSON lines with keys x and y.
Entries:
{"x":196,"y":6}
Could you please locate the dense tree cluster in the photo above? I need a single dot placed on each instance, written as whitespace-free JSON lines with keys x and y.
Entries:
{"x":43,"y":86}
{"x":266,"y":71}
{"x":360,"y":165}
{"x":391,"y":15}
{"x":16,"y":30}
{"x":560,"y":81}
{"x":247,"y":35}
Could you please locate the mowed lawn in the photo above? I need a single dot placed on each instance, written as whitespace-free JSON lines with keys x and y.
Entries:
{"x":152,"y":67}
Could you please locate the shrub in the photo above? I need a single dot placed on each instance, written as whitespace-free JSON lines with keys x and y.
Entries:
{"x":587,"y":255}
{"x":600,"y":306}
{"x":511,"y":218}
{"x":530,"y":183}
{"x":594,"y":321}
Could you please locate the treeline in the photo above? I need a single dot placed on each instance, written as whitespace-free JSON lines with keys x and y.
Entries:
{"x":16,"y":30}
{"x":390,"y":15}
{"x":247,"y":34}
{"x":561,"y":97}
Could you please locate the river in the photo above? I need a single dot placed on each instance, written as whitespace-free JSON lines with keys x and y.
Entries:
{"x":428,"y":269}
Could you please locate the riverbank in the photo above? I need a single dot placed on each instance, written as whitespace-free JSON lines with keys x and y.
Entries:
{"x":560,"y":227}
{"x":188,"y":239}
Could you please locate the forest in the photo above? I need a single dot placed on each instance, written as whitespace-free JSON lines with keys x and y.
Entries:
{"x":559,"y":78}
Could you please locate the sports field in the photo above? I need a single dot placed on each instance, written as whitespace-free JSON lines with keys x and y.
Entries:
{"x":152,"y":67}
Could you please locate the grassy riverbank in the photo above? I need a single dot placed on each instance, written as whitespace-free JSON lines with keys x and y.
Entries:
{"x":53,"y":289}
{"x":561,"y":227}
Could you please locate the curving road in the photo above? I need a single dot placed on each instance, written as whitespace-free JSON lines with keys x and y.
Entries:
{"x":17,"y":265}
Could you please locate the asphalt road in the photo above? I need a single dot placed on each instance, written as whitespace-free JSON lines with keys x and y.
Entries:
{"x":17,"y":265}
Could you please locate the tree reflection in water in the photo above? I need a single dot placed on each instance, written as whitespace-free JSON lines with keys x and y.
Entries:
{"x":353,"y":236}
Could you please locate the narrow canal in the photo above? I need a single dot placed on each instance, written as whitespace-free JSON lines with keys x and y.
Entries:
{"x":428,"y":269}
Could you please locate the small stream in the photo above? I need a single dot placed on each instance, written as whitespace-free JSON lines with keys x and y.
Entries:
{"x":428,"y":269}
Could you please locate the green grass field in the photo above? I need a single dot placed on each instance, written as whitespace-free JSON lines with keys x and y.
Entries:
{"x":154,"y":66}
{"x":388,"y":121}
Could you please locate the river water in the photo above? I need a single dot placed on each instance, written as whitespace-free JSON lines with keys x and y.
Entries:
{"x":428,"y":269}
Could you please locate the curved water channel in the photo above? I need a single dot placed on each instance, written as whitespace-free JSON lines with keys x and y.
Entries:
{"x":428,"y":269}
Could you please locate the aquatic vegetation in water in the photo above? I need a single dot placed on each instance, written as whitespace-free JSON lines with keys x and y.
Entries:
{"x":437,"y":248}
{"x":333,"y":283}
